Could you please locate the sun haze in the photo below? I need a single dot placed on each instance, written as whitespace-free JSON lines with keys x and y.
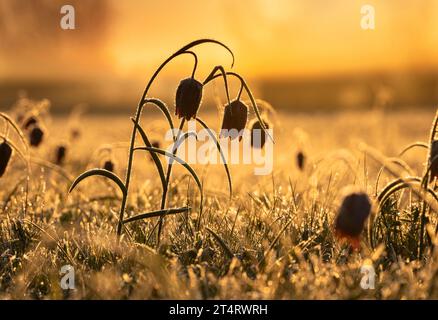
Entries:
{"x":272,"y":38}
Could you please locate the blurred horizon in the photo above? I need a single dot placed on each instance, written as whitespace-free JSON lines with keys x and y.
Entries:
{"x":296,"y":54}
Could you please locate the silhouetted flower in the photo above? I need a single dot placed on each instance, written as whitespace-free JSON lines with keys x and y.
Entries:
{"x":188,"y":98}
{"x":350,"y":221}
{"x":108,"y":165}
{"x":61,"y":152}
{"x":36,"y":135}
{"x":258,"y":135}
{"x":301,"y":160}
{"x":235,"y":117}
{"x":5,"y":156}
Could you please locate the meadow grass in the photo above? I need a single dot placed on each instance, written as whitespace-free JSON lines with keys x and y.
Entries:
{"x":273,"y":239}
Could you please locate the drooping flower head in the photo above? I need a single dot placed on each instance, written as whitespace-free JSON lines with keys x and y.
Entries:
{"x":36,"y":135}
{"x":108,"y":165}
{"x":235,"y":118}
{"x":5,"y":156}
{"x":258,"y":135}
{"x":301,"y":158}
{"x":188,"y":98}
{"x":61,"y":152}
{"x":352,"y":214}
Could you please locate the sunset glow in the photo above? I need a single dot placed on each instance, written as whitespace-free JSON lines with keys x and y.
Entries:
{"x":281,"y":38}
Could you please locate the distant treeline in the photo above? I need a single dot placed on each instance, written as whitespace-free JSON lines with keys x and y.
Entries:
{"x":405,"y":90}
{"x":392,"y":91}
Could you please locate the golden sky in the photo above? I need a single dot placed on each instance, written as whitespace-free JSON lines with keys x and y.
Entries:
{"x":269,"y":37}
{"x":285,"y":37}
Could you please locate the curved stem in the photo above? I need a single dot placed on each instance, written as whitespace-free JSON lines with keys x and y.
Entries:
{"x":6,"y":128}
{"x":196,"y":62}
{"x":164,"y":109}
{"x":153,"y":155}
{"x":179,"y":52}
{"x":425,"y":183}
{"x":218,"y":146}
{"x":169,"y":172}
{"x":413,"y":145}
{"x":426,"y":176}
{"x":138,"y":115}
{"x":240,"y":91}
{"x":395,"y":161}
{"x":26,"y":160}
{"x":211,"y":76}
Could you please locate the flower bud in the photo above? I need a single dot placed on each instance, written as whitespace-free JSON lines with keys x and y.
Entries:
{"x":235,"y":117}
{"x":351,"y":217}
{"x":5,"y":156}
{"x":188,"y":98}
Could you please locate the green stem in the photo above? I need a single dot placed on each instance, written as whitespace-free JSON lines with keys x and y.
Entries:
{"x":166,"y":188}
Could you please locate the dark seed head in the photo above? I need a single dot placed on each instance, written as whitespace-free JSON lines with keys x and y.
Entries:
{"x":188,"y":98}
{"x":301,"y":160}
{"x":5,"y":156}
{"x":235,"y":117}
{"x":36,"y":135}
{"x":108,"y":165}
{"x":434,"y":164}
{"x":352,"y":214}
{"x":258,"y":135}
{"x":61,"y":152}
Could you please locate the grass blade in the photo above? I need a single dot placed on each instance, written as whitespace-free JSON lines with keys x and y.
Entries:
{"x":53,"y":167}
{"x":14,"y":147}
{"x":163,"y":107}
{"x":99,"y":172}
{"x":395,"y":161}
{"x":413,"y":145}
{"x":271,"y":246}
{"x":153,"y":155}
{"x":428,"y":169}
{"x":227,"y":250}
{"x":410,"y":183}
{"x":180,"y":161}
{"x":16,"y":128}
{"x":221,"y":153}
{"x":159,"y":213}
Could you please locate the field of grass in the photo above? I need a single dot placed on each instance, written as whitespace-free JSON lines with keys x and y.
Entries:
{"x":273,"y":239}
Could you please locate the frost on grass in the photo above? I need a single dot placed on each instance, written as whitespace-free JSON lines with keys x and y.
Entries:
{"x":265,"y":259}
